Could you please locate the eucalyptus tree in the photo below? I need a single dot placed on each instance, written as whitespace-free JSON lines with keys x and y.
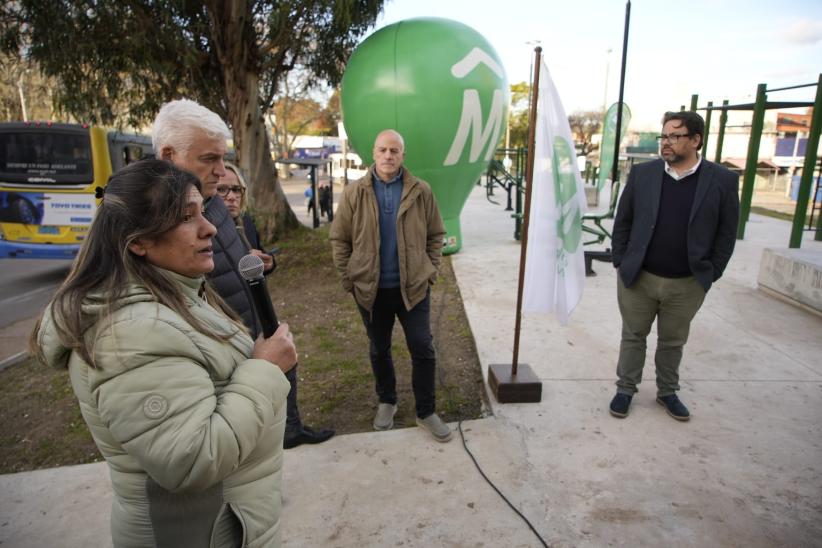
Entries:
{"x":118,"y":61}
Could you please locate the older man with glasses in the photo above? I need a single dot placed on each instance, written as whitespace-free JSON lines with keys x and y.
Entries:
{"x":193,"y":138}
{"x":674,"y":233}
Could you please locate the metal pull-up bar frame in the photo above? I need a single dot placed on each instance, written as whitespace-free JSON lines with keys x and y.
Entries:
{"x":759,"y":107}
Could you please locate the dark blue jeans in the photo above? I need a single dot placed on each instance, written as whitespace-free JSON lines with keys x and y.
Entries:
{"x":416,"y":325}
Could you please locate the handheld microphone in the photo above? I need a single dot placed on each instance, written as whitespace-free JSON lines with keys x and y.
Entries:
{"x":251,"y":269}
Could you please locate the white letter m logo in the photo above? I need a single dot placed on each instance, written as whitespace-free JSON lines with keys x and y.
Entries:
{"x":471,"y":122}
{"x":471,"y":118}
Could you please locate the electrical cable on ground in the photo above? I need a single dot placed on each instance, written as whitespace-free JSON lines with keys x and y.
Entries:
{"x":508,"y":502}
{"x":437,"y":321}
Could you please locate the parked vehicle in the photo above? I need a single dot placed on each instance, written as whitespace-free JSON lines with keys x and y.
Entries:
{"x":356,"y":169}
{"x":52,"y":177}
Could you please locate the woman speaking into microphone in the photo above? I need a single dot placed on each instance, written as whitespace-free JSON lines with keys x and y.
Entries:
{"x":187,"y":410}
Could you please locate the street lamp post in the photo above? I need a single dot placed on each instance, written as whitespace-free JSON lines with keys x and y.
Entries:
{"x":607,"y":67}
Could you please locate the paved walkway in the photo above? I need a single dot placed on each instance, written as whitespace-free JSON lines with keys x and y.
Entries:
{"x":745,"y":471}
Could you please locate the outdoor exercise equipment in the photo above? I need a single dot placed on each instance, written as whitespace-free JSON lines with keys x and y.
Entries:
{"x":507,"y":170}
{"x":759,"y":107}
{"x":442,"y":86}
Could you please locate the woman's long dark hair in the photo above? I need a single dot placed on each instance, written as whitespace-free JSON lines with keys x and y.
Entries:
{"x":142,"y":201}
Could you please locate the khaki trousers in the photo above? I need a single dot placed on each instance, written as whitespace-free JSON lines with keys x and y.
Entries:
{"x":673,"y":302}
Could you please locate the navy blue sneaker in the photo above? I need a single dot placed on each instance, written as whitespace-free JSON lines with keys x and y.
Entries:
{"x":674,"y":407}
{"x":620,"y":405}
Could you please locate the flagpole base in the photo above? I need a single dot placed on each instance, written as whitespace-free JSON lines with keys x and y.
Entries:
{"x":524,"y":387}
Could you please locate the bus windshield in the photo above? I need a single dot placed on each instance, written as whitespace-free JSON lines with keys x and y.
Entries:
{"x":46,"y":156}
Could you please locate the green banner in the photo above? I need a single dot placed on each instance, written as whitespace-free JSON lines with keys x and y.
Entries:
{"x":606,"y":148}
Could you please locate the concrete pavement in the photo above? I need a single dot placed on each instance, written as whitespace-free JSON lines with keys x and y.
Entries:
{"x":745,"y":471}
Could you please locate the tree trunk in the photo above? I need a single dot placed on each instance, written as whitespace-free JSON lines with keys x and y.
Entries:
{"x":274,"y":214}
{"x":234,"y":42}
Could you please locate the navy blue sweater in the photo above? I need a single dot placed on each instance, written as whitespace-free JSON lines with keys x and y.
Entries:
{"x":667,"y":253}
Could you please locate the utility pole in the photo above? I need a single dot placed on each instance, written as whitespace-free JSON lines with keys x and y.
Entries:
{"x":607,"y":68}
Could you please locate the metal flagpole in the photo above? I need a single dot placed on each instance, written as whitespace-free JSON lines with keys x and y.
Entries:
{"x":521,"y":385}
{"x":529,"y":177}
{"x":615,"y":167}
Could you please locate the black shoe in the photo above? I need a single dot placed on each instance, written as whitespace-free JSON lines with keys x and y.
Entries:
{"x":620,"y":405}
{"x":674,"y":407}
{"x":306,"y":435}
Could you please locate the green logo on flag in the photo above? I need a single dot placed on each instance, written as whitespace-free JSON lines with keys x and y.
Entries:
{"x":569,"y":224}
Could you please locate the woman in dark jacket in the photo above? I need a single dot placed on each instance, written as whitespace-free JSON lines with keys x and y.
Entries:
{"x":233,"y":190}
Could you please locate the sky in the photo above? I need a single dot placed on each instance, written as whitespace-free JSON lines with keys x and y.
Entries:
{"x":718,"y":49}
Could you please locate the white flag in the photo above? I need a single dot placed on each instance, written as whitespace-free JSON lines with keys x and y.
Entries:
{"x":555,"y":263}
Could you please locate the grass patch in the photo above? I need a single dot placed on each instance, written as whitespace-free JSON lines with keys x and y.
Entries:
{"x":336,"y":384}
{"x":42,"y":426}
{"x":782,"y":215}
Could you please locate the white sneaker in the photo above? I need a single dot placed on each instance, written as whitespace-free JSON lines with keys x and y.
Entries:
{"x":438,"y":429}
{"x":384,"y":420}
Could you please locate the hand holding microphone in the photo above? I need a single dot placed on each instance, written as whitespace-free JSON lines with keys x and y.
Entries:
{"x":251,"y":269}
{"x":276,"y":343}
{"x":279,"y":349}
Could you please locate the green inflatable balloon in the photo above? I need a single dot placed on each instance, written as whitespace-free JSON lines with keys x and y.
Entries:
{"x":442,"y":86}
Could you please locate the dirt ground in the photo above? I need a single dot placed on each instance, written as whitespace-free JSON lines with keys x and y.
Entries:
{"x":42,"y":427}
{"x":336,"y":387}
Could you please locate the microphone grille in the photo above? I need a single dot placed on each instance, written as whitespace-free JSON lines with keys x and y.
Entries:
{"x":251,"y":267}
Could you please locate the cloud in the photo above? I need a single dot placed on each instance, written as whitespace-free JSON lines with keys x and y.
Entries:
{"x":803,"y":32}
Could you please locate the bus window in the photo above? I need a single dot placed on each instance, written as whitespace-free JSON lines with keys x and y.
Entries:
{"x":132,"y":154}
{"x":50,"y":176}
{"x":126,"y":148}
{"x":44,"y":156}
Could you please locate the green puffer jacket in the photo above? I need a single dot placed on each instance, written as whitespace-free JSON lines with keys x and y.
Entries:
{"x":191,"y":428}
{"x":355,"y":240}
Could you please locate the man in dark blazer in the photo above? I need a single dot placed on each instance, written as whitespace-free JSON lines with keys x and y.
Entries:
{"x":674,"y":233}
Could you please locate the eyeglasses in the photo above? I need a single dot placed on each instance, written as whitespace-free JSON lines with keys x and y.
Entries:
{"x":672,"y":138}
{"x":224,"y":190}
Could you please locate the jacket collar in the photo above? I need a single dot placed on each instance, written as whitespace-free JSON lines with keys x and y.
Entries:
{"x":657,"y":176}
{"x":190,"y":287}
{"x":216,"y":211}
{"x":398,"y":177}
{"x":676,"y":176}
{"x":703,"y":183}
{"x":408,"y":180}
{"x":706,"y":173}
{"x":410,"y":187}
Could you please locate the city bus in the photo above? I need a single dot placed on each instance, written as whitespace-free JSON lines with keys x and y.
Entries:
{"x":51,"y":178}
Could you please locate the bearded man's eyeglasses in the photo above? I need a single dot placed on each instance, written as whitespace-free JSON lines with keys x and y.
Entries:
{"x":672,"y":138}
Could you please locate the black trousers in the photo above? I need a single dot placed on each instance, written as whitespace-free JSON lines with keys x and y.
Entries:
{"x":416,"y":325}
{"x":293,"y":423}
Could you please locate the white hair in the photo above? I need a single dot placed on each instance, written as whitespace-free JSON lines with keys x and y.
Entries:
{"x":178,"y":122}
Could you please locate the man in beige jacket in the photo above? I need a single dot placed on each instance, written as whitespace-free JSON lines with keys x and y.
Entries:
{"x":387,"y":240}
